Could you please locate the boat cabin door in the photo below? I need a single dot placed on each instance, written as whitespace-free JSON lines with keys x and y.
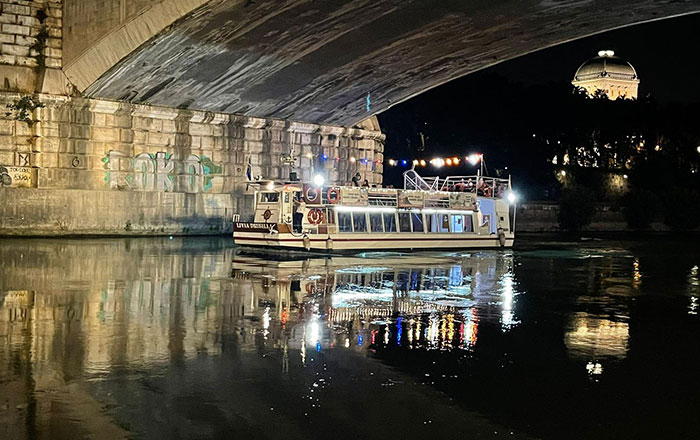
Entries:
{"x":287,"y":206}
{"x":268,"y":206}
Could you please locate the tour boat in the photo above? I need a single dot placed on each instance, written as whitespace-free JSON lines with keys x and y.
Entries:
{"x":456,"y":212}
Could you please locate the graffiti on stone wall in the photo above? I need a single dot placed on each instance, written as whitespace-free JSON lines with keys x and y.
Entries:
{"x":16,"y":177}
{"x":160,"y":172}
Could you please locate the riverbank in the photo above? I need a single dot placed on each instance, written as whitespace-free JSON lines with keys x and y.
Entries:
{"x":544,"y":217}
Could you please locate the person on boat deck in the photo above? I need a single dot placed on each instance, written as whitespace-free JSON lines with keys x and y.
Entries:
{"x":365,"y":184}
{"x":500,"y":189}
{"x":298,"y":215}
{"x":356,"y":179}
{"x":460,"y":186}
{"x":484,"y":189}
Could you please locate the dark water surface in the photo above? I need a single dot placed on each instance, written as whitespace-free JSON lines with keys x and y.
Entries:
{"x":160,"y":338}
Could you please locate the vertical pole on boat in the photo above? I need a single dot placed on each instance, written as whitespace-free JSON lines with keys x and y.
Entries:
{"x":515,"y":205}
{"x":476,"y":184}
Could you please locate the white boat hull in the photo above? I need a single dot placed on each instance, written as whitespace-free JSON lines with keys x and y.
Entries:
{"x":343,"y":242}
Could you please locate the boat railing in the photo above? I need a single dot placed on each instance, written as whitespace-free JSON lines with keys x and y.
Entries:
{"x":382,"y":199}
{"x":413,"y":181}
{"x":482,"y":186}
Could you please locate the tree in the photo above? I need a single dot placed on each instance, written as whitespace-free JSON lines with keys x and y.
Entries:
{"x":576,"y":208}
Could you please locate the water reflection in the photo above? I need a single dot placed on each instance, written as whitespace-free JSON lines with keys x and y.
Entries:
{"x":592,"y":337}
{"x":158,"y":338}
{"x":417,"y":302}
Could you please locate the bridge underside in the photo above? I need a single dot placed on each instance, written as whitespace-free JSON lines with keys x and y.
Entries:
{"x":318,"y":61}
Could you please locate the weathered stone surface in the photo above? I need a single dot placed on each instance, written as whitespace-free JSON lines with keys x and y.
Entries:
{"x":68,"y":212}
{"x":31,"y":63}
{"x":109,"y":149}
{"x":322,"y":61}
{"x":544,"y":217}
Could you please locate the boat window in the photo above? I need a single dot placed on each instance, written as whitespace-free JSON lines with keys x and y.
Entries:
{"x":457,"y":223}
{"x":271,"y":197}
{"x":359,"y":221}
{"x":344,"y":222}
{"x":375,"y":222}
{"x":437,"y":223}
{"x":430,"y":224}
{"x":444,"y":223}
{"x":468,"y":223}
{"x":389,"y":222}
{"x":417,"y":220}
{"x":286,"y":197}
{"x":405,"y":221}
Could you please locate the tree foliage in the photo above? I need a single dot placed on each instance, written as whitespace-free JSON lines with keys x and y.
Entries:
{"x":576,"y":208}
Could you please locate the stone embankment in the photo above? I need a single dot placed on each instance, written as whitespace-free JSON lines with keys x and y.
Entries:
{"x":86,"y":166}
{"x":544,"y":217}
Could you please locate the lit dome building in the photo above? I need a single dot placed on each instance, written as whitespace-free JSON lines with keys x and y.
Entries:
{"x":608,"y":73}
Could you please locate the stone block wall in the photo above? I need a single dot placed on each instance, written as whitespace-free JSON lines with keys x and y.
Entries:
{"x":66,"y":148}
{"x":544,"y":217}
{"x":70,"y":165}
{"x":31,"y":47}
{"x":30,"y":30}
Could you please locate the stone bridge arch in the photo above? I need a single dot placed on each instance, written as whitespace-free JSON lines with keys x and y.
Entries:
{"x":98,"y":35}
{"x":317,"y":61}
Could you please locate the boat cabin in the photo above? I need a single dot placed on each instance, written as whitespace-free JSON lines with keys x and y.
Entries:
{"x":428,"y":211}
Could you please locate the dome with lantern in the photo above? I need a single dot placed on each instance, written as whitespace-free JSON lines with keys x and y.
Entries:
{"x":608,"y":73}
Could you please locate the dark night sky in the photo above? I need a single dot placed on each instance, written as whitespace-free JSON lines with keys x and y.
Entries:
{"x":664,"y":53}
{"x":484,"y":111}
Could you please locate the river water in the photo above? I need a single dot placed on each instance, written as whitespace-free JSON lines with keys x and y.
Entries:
{"x":158,"y":338}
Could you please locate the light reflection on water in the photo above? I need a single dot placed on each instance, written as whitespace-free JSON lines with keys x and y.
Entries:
{"x":157,"y":338}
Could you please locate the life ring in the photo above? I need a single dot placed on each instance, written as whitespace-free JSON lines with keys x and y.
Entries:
{"x":333,"y":195}
{"x":315,"y":216}
{"x":312,"y":195}
{"x":267,"y":214}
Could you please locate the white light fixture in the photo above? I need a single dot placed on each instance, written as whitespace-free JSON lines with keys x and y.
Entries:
{"x":270,"y":186}
{"x":319,"y":180}
{"x":438,"y":162}
{"x":441,"y":211}
{"x":511,"y":197}
{"x":345,"y":208}
{"x":474,"y":158}
{"x":563,"y":173}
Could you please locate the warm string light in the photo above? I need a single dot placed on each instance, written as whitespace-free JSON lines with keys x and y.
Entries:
{"x":437,"y":162}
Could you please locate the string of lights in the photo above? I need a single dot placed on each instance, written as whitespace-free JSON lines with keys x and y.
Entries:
{"x":438,"y":162}
{"x":363,"y":160}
